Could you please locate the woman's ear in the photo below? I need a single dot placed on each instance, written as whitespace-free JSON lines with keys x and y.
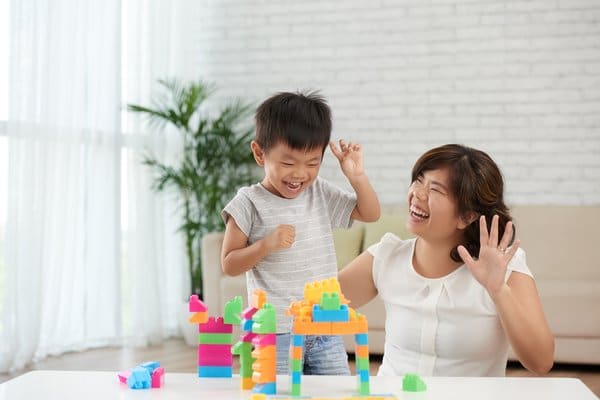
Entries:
{"x":259,"y":154}
{"x":468,"y":219}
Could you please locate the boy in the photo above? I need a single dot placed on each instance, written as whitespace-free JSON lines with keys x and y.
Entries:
{"x":279,"y":231}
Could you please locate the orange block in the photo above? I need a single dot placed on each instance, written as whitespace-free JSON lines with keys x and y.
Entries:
{"x":311,"y":328}
{"x":265,"y":353}
{"x":259,"y":297}
{"x":296,"y":353}
{"x":199,"y":318}
{"x":348,"y":328}
{"x":362,"y":351}
{"x":261,"y":377}
{"x":246,"y":384}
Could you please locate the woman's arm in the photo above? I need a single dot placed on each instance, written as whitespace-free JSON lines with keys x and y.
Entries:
{"x":524,"y":323}
{"x":356,"y":280}
{"x":516,"y":300}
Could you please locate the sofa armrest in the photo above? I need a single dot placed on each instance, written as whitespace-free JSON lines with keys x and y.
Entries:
{"x":212,"y":271}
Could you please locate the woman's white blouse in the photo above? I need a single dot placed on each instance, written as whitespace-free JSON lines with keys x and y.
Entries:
{"x":437,"y":327}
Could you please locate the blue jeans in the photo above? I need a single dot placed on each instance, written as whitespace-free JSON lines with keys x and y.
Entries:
{"x":322,"y":355}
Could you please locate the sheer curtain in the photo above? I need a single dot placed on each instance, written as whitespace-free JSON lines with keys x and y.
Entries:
{"x":72,"y":279}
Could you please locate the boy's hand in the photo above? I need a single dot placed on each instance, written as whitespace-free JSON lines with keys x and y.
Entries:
{"x":281,"y":238}
{"x":350,"y":158}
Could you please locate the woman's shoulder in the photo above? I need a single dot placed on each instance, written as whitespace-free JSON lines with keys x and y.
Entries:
{"x":390,"y":243}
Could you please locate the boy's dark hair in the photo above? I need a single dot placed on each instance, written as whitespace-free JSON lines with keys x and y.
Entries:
{"x":300,"y":120}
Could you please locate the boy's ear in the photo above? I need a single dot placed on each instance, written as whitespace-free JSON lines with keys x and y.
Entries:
{"x":467,"y":219}
{"x":259,"y":154}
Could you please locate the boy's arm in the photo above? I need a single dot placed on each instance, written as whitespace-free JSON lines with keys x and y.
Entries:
{"x":349,"y":155}
{"x":237,"y":257}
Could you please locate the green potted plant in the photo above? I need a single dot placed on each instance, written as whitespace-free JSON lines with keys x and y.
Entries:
{"x":216,"y":160}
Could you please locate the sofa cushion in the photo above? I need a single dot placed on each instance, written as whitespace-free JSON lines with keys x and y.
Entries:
{"x":348,"y":243}
{"x":393,"y":219}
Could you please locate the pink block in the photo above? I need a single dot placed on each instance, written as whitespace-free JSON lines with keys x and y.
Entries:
{"x":123,"y":375}
{"x":248,"y":337}
{"x":196,"y":305}
{"x":216,"y":355}
{"x":249,"y":312}
{"x":215,"y":325}
{"x":158,"y":377}
{"x":265,"y":340}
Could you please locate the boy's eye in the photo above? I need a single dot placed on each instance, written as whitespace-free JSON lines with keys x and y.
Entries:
{"x":287,"y":164}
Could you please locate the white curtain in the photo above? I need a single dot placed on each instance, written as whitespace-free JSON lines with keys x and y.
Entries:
{"x":74,"y":278}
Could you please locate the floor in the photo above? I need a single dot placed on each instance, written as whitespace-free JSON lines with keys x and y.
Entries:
{"x":175,"y":356}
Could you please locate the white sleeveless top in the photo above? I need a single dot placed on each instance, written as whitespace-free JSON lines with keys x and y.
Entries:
{"x":437,"y":327}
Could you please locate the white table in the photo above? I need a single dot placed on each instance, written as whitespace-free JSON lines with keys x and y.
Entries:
{"x":91,"y":385}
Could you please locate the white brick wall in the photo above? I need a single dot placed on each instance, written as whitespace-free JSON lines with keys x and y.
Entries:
{"x":519,"y":79}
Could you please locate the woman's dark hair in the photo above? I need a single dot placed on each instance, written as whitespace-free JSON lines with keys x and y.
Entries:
{"x":300,"y":120}
{"x":476,"y":185}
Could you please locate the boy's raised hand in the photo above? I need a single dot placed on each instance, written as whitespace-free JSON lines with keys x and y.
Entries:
{"x":350,"y":158}
{"x":281,"y":238}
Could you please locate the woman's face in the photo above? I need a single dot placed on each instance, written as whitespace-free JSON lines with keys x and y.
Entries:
{"x":432,"y":207}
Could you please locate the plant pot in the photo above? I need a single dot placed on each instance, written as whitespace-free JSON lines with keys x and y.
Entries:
{"x":188,"y":330}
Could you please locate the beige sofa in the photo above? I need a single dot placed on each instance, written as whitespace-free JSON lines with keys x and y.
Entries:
{"x":560,"y":242}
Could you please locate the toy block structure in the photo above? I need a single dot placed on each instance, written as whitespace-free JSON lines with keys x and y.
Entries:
{"x":215,"y":337}
{"x":143,"y":376}
{"x":324,"y":311}
{"x":264,"y":367}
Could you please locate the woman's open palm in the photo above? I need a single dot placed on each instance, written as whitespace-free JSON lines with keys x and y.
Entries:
{"x":490,"y":267}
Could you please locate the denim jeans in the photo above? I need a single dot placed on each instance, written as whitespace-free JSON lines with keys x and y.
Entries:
{"x":322,"y":355}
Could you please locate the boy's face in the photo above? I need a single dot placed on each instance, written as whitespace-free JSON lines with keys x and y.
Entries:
{"x":288,"y":172}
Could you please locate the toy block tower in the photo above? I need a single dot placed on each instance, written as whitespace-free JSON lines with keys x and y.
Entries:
{"x":325,"y":311}
{"x":265,"y":352}
{"x":215,"y":338}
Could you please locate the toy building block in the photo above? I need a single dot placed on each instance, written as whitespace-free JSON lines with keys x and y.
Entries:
{"x":267,"y":339}
{"x":205,"y":371}
{"x":330,"y":301}
{"x":123,"y":375}
{"x":413,"y":383}
{"x":339,"y":315}
{"x":139,"y":378}
{"x":215,"y":338}
{"x":196,"y":305}
{"x":233,"y":311}
{"x":217,"y":355}
{"x":215,"y":325}
{"x":150,"y":365}
{"x":264,"y":319}
{"x":259,"y":298}
{"x":249,"y":312}
{"x":266,"y":388}
{"x":158,"y":377}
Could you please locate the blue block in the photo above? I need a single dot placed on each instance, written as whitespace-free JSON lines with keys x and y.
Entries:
{"x":361,"y":339}
{"x":265,"y":388}
{"x":296,"y":376}
{"x":150,"y":366}
{"x":340,"y":315}
{"x":214,"y":372}
{"x":363,"y":375}
{"x":247,"y":325}
{"x":298,"y":340}
{"x":139,"y":378}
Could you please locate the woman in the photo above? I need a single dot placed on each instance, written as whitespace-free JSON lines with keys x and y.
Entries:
{"x":458,"y":293}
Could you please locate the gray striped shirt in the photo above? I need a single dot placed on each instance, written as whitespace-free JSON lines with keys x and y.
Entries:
{"x":283,"y":273}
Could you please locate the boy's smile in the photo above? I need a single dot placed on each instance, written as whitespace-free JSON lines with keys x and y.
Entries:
{"x":288,"y":172}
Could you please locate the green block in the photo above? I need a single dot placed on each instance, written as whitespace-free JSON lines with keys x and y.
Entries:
{"x":296,"y":365}
{"x":296,"y":389}
{"x":264,"y":320}
{"x":241,"y":348}
{"x":362,"y":363}
{"x":364,"y":388}
{"x":330,"y":301}
{"x":215,"y":338}
{"x":413,"y":383}
{"x":233,"y":311}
